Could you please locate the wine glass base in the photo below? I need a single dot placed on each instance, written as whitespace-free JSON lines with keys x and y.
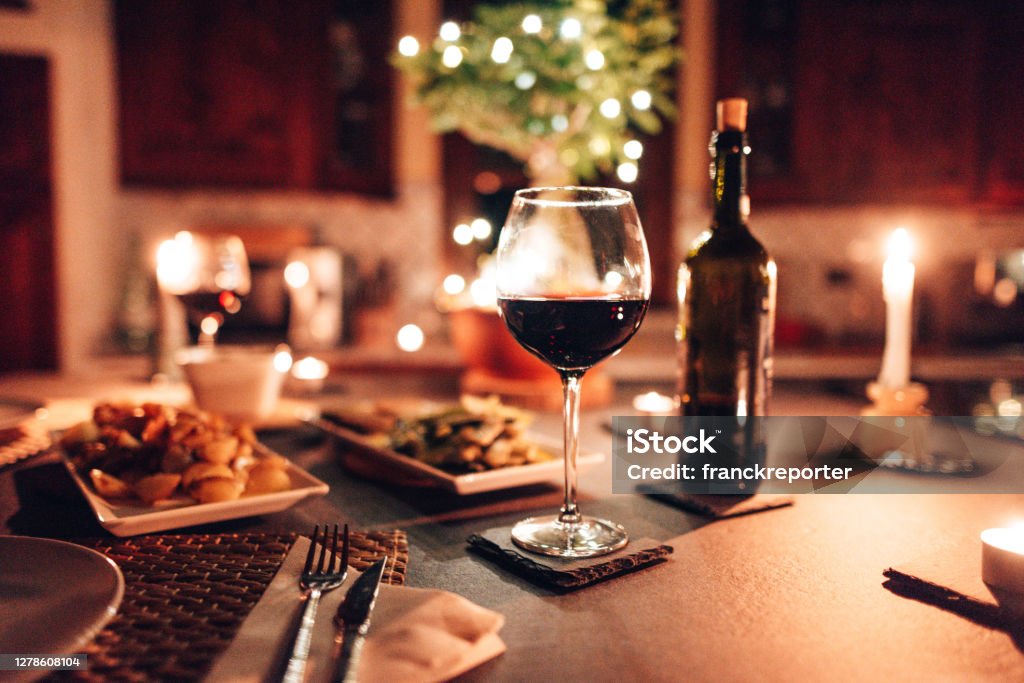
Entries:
{"x":589,"y":537}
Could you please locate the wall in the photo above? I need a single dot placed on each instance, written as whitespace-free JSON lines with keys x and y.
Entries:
{"x":75,"y":36}
{"x":810,"y":243}
{"x":94,"y":216}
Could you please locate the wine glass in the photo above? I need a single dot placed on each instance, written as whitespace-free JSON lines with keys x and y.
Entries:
{"x":574,"y":283}
{"x":209,"y":274}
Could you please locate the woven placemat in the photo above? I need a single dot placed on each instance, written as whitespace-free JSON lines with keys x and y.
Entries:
{"x":23,"y":441}
{"x":186,"y":596}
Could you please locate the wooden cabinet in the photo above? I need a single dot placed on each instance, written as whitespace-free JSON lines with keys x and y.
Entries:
{"x":1001,"y":141}
{"x":28,"y":335}
{"x":255,"y":93}
{"x":863,"y":101}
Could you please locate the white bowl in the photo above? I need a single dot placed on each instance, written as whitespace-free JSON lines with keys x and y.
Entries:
{"x":239,"y":382}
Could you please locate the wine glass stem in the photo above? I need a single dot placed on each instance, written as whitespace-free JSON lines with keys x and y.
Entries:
{"x":570,"y":514}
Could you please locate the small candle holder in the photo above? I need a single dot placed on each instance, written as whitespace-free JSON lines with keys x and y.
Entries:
{"x":914,"y":453}
{"x":905,"y":401}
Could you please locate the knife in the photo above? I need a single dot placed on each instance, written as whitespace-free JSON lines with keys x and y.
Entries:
{"x":353,"y":620}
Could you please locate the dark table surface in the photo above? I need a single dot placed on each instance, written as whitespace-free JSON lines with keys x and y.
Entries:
{"x":792,"y":594}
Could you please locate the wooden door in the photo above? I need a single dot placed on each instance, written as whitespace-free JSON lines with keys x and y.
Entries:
{"x":28,"y":331}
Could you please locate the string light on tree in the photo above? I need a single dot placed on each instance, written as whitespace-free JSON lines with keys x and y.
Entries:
{"x":633,"y":149}
{"x":525,"y":80}
{"x":599,"y":146}
{"x":450,"y":31}
{"x":462,"y":234}
{"x":483,"y":291}
{"x":611,"y":108}
{"x":502,"y":50}
{"x":408,"y":46}
{"x":481,"y":228}
{"x":641,"y":99}
{"x":627,"y":171}
{"x":452,"y":56}
{"x":571,"y":29}
{"x":532,"y":24}
{"x":454,"y":284}
{"x":540,"y":80}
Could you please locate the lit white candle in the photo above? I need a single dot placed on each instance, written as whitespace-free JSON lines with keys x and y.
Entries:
{"x":309,"y":373}
{"x":1002,"y":565}
{"x":309,"y":368}
{"x":898,"y":288}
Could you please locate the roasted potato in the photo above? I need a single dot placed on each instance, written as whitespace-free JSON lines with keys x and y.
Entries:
{"x":153,"y":452}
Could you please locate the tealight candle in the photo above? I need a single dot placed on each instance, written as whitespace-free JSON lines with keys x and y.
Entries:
{"x":653,"y":403}
{"x":1002,"y":564}
{"x":898,"y":289}
{"x":309,"y":373}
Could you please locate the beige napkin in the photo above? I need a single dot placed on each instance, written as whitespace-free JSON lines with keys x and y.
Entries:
{"x":415,"y":635}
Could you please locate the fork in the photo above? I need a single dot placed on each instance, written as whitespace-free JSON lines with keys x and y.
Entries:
{"x":314,"y":583}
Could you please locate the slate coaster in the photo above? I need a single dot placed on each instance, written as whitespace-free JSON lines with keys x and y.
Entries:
{"x":724,"y":507}
{"x":946,"y":581}
{"x":568,"y":573}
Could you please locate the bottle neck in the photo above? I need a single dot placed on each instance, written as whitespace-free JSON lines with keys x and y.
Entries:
{"x":729,"y":178}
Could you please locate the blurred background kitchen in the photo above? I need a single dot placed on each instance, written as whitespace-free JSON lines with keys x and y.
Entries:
{"x":283,"y":122}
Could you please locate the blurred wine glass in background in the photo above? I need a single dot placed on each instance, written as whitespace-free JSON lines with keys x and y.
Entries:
{"x":209,"y":274}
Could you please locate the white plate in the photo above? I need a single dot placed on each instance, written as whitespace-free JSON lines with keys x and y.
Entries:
{"x":385,"y":464}
{"x":54,"y":596}
{"x":125,"y":518}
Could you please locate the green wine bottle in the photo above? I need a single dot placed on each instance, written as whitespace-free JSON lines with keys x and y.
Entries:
{"x":726,"y":294}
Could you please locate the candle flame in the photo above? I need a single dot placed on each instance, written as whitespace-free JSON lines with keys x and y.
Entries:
{"x":177,"y":264}
{"x":282,"y":358}
{"x":900,"y":246}
{"x":654,"y":403}
{"x":1009,"y":538}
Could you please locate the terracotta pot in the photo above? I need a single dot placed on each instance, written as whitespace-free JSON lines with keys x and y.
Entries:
{"x":485,"y":344}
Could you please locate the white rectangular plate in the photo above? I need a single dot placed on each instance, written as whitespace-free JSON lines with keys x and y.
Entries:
{"x":126,"y":518}
{"x":379,"y":463}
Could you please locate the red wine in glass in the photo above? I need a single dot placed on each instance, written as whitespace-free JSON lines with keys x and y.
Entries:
{"x":572,"y":333}
{"x":202,"y":304}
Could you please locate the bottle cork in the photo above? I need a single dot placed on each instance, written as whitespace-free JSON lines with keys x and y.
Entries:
{"x":732,"y":114}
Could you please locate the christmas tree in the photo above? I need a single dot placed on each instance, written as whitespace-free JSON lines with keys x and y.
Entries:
{"x":562,"y":86}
